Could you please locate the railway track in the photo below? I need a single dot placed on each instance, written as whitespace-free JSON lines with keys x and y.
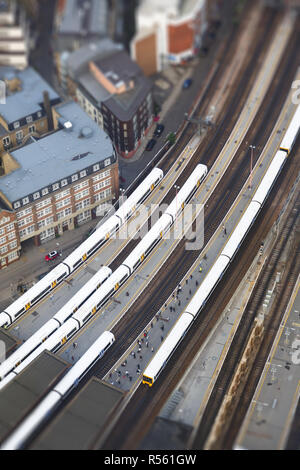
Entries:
{"x":162,"y":287}
{"x":181,"y":263}
{"x":215,"y":139}
{"x":271,"y":324}
{"x":142,"y":409}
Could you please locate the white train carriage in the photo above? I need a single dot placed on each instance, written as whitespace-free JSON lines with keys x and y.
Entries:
{"x":105,"y":231}
{"x":140,"y":194}
{"x":270,"y":176}
{"x":207,"y":286}
{"x":34,"y":295}
{"x":148,"y":242}
{"x":165,"y":351}
{"x":59,"y":392}
{"x":100,"y":297}
{"x":291,"y":133}
{"x":93,"y":243}
{"x":241,"y":230}
{"x":54,"y":323}
{"x":187,"y":191}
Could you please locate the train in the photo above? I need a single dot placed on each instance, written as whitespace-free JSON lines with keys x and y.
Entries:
{"x":195,"y":306}
{"x":63,"y":270}
{"x":55,"y":322}
{"x":59,"y":392}
{"x":52,"y":338}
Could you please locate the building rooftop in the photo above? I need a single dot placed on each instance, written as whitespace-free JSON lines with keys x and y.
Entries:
{"x":79,"y":424}
{"x":78,"y":60}
{"x":84,"y":17}
{"x":19,"y":396}
{"x":29,"y":99}
{"x":56,"y":156}
{"x":122,"y":105}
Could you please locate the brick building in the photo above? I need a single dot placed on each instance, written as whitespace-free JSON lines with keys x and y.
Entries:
{"x":112,"y":89}
{"x":168,"y":32}
{"x":57,"y":182}
{"x":27,"y":110}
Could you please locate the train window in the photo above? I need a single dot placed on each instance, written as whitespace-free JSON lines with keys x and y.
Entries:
{"x":96,"y":246}
{"x":41,"y":294}
{"x":61,"y":277}
{"x":19,"y":312}
{"x":71,"y":332}
{"x":77,"y":264}
{"x":105,"y":298}
{"x":86,"y":318}
{"x":55,"y":347}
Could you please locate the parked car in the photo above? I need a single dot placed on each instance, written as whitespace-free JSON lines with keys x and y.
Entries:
{"x":159,"y":130}
{"x":187,"y":83}
{"x":52,"y":255}
{"x":150,"y":144}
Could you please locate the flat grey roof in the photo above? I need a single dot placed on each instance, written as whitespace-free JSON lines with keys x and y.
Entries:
{"x":50,"y":159}
{"x":84,"y":16}
{"x":20,"y":395}
{"x":29,"y":99}
{"x":78,"y":425}
{"x":9,"y":340}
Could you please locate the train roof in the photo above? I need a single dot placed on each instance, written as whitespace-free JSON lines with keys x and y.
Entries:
{"x":291,"y":131}
{"x":168,"y":345}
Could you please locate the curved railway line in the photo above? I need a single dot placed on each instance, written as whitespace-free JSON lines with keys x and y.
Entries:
{"x":271,"y":323}
{"x":165,"y":288}
{"x":219,"y":203}
{"x":146,"y":403}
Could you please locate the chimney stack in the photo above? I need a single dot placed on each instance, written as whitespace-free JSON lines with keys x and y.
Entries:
{"x":48,"y":110}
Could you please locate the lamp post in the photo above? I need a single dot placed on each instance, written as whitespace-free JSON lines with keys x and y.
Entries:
{"x":177,"y":188}
{"x":252,"y":147}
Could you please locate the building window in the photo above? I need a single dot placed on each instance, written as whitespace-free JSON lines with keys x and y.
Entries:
{"x":39,"y":114}
{"x":84,"y":184}
{"x":16,"y":125}
{"x":29,"y":119}
{"x":64,"y":182}
{"x":25,"y":200}
{"x":45,"y":191}
{"x":3,"y":249}
{"x":6,"y":141}
{"x":31,"y":129}
{"x":83,"y":174}
{"x":55,"y":186}
{"x":82,"y":194}
{"x":36,"y":195}
{"x":47,"y":233}
{"x":43,"y":203}
{"x":2,"y":240}
{"x":74,"y":178}
{"x":9,"y":227}
{"x":96,"y":167}
{"x":19,"y":135}
{"x":63,"y":194}
{"x":107,"y":162}
{"x":11,"y":235}
{"x":12,"y":256}
{"x":17,"y":204}
{"x":13,"y":245}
